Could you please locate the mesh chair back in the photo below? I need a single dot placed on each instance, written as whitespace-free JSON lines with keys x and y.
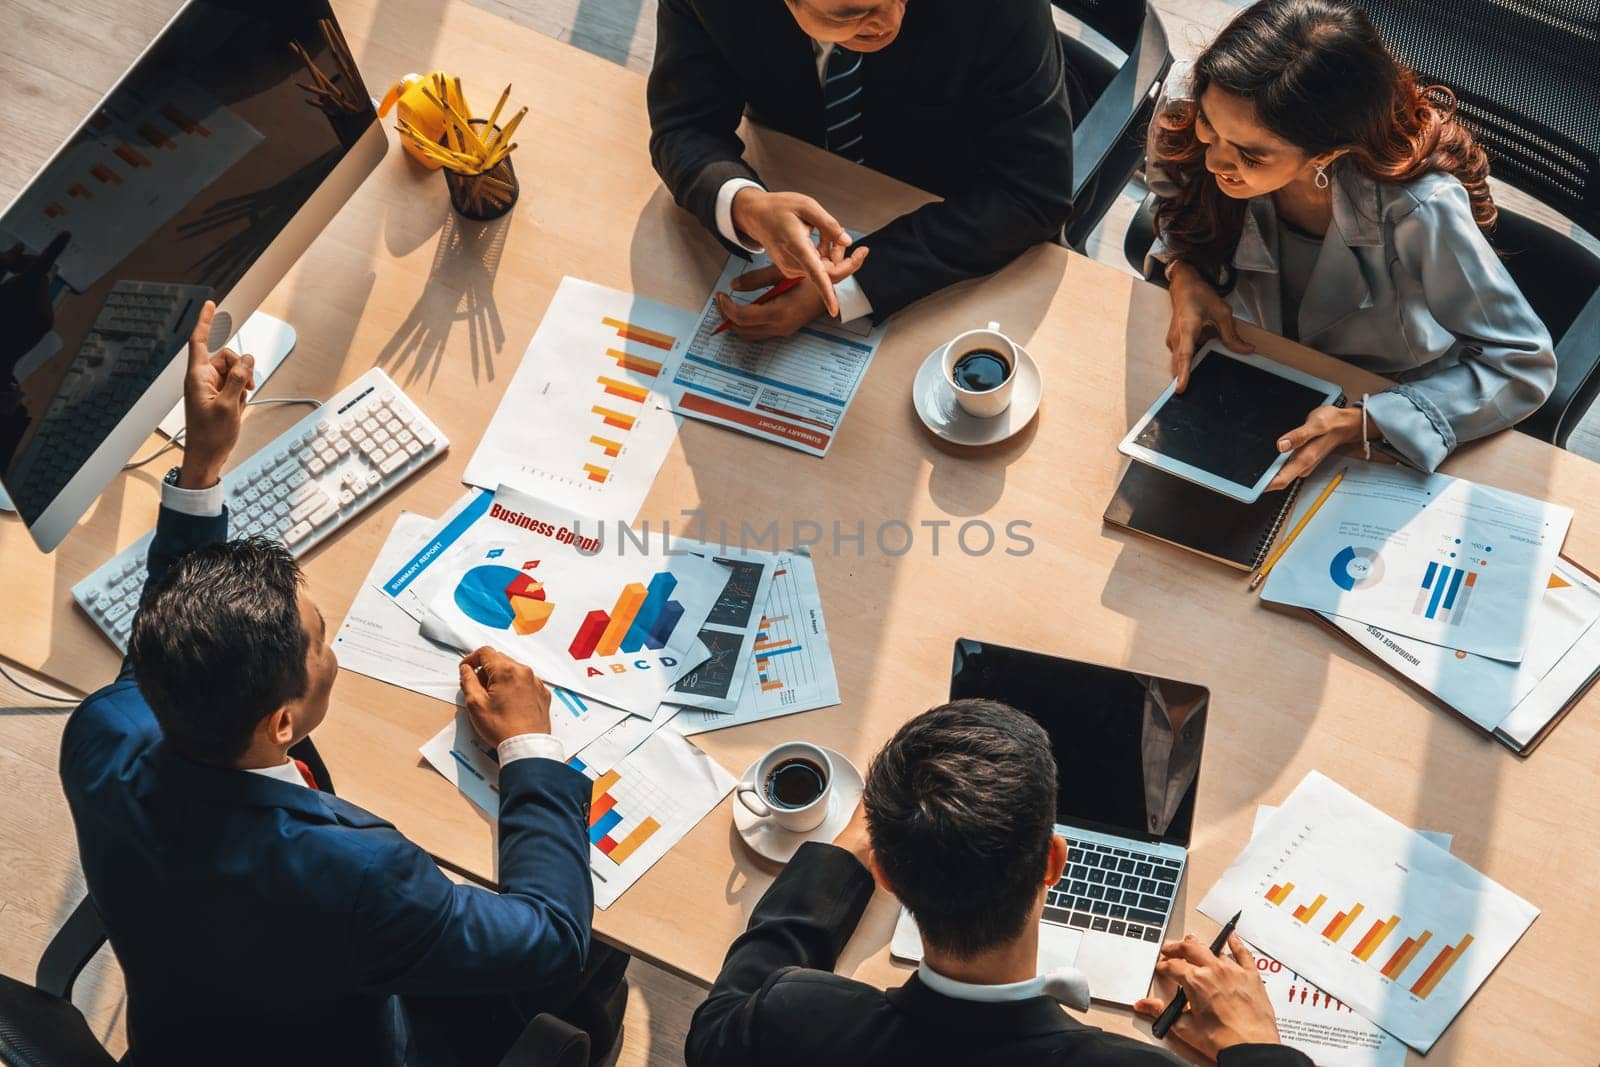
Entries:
{"x":1527,"y":77}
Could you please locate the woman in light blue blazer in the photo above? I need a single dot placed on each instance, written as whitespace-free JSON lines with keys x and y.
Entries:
{"x":1310,"y":186}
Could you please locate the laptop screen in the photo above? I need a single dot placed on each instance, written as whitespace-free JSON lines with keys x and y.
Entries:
{"x":1127,"y":745}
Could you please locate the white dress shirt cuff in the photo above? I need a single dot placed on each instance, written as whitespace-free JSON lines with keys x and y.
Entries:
{"x":204,"y":503}
{"x":853,"y":302}
{"x":725,"y":195}
{"x":531,"y":746}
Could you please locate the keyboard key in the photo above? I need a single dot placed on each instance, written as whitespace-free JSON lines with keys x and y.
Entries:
{"x":1118,"y":911}
{"x":1167,"y":874}
{"x":1153,"y":903}
{"x":1098,"y":923}
{"x":1114,"y":879}
{"x":393,"y":463}
{"x":1143,"y":870}
{"x":325,"y":514}
{"x":1151,"y":917}
{"x":1100,"y":907}
{"x":296,"y":533}
{"x":308,"y":506}
{"x":1152,"y":933}
{"x":1119,"y":928}
{"x":1125,"y":866}
{"x":1097,"y":892}
{"x":1079,"y":888}
{"x":1089,"y":859}
{"x":1097,"y":875}
{"x":1080,"y":920}
{"x":1114,"y":895}
{"x":1149,"y":885}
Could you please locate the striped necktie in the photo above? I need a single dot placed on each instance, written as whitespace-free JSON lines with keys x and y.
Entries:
{"x":841,"y":105}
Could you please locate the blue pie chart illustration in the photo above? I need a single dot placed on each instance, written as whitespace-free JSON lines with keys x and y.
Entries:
{"x":481,"y":596}
{"x":1356,"y":568}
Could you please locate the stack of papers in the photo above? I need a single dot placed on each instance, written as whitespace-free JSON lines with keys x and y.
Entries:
{"x":1457,"y":587}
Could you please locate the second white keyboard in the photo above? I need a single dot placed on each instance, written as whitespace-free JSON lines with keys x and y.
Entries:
{"x":318,"y":475}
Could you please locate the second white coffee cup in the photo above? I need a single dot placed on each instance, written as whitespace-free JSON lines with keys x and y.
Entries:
{"x":980,"y":387}
{"x":791,"y":786}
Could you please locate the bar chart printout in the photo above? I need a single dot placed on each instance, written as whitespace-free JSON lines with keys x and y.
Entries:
{"x":1413,"y":931}
{"x":584,"y":422}
{"x":644,"y":805}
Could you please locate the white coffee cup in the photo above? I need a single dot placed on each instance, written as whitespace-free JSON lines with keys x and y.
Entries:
{"x":761,"y":797}
{"x":990,"y":402}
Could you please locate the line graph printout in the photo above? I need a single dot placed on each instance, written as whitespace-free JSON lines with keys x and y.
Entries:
{"x":730,"y":631}
{"x":1369,"y":910}
{"x":793,"y":390}
{"x":791,"y":665}
{"x":584,"y":422}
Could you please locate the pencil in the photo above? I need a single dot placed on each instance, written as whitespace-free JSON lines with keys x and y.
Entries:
{"x":1260,"y":576}
{"x":766,"y":297}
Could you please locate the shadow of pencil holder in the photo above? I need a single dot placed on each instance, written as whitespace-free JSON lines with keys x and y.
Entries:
{"x":485,"y":196}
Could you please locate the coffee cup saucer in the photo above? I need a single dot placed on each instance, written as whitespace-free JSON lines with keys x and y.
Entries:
{"x":769,"y":840}
{"x":936,"y":403}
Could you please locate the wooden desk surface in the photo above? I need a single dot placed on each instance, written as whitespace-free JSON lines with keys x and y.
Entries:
{"x":447,"y":309}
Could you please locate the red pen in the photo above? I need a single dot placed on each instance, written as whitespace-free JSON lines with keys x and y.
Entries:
{"x":770,"y":295}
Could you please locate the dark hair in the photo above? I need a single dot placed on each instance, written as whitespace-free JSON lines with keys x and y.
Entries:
{"x":218,"y":645}
{"x":961,"y":806}
{"x":1321,"y":78}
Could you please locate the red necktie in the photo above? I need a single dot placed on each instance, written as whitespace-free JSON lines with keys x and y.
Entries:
{"x":305,"y":772}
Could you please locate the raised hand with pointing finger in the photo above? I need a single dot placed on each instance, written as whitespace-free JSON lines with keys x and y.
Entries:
{"x":214,"y":391}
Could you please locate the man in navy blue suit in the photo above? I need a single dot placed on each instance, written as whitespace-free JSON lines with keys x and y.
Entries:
{"x":257,"y":917}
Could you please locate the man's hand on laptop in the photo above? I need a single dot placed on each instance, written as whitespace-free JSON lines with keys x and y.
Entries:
{"x":504,"y":698}
{"x":1228,"y":1005}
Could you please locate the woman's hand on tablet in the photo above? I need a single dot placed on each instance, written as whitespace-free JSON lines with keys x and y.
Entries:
{"x":1195,"y":306}
{"x":1324,"y":430}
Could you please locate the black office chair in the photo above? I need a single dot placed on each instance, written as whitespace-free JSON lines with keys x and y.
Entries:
{"x":1108,"y":138}
{"x":39,"y":1027}
{"x":1526,"y":82}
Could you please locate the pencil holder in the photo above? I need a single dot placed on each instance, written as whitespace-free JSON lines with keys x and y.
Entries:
{"x":485,"y":196}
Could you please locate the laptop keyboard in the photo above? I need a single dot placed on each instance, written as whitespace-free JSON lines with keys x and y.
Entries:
{"x":1113,"y":890}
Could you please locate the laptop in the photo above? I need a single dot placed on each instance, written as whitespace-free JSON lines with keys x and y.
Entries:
{"x":1127,"y":749}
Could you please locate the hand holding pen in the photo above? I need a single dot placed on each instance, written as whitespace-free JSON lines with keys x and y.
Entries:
{"x":1227,"y":1004}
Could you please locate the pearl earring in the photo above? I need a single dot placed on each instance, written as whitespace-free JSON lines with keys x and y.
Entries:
{"x":1321,"y":181}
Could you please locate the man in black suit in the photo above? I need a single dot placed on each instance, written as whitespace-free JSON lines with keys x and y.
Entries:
{"x":967,"y":100}
{"x":958,"y":822}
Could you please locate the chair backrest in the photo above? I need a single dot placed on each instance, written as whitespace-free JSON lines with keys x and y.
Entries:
{"x":1118,"y":21}
{"x":1527,"y":78}
{"x":41,"y":1030}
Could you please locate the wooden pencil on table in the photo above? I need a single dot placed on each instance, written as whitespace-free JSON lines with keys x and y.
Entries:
{"x":1260,"y":576}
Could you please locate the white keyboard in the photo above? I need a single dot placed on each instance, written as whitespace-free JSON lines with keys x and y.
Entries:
{"x":318,"y":475}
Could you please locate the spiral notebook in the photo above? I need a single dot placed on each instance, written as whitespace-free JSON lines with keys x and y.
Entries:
{"x":1168,"y":508}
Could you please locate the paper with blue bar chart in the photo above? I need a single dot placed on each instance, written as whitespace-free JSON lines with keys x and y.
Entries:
{"x":793,"y":390}
{"x":1443,"y":560}
{"x":596,"y":614}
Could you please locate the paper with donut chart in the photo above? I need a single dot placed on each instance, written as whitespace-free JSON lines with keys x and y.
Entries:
{"x":1369,"y":910}
{"x":599,"y":616}
{"x":1440,"y":559}
{"x":793,"y":390}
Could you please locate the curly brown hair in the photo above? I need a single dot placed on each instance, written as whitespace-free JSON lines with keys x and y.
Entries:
{"x":1321,"y":78}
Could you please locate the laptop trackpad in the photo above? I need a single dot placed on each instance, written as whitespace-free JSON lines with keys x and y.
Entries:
{"x":1058,"y":945}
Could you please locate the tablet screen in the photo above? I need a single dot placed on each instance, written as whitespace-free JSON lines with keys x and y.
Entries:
{"x":1228,"y":421}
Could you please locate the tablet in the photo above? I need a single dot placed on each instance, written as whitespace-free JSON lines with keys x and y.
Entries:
{"x":1222,"y":431}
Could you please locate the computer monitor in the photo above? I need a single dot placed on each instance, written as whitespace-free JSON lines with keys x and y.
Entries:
{"x":203,"y":174}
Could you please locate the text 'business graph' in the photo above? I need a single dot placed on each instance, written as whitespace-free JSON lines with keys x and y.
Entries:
{"x":1394,"y":965}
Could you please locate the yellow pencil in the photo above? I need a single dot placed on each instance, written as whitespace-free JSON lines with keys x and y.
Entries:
{"x":1260,"y":576}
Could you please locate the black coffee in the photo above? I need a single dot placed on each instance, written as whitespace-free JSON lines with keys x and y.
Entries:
{"x":794,"y":783}
{"x":981,"y":370}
